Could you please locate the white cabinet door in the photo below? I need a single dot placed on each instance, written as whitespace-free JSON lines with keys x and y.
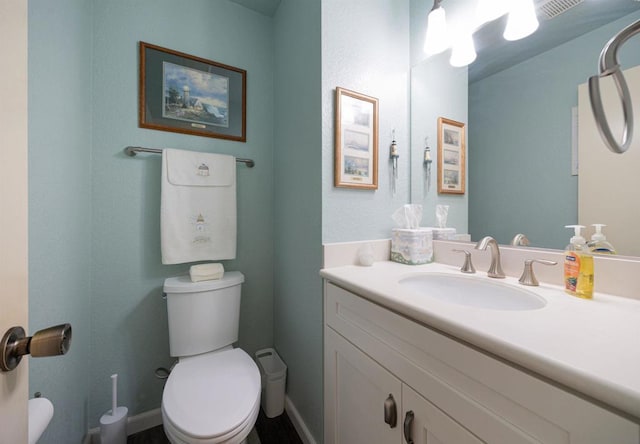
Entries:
{"x":424,"y":423}
{"x":356,"y":390}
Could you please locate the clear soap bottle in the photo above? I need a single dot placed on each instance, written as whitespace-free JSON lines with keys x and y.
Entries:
{"x":599,"y":243}
{"x":578,"y":266}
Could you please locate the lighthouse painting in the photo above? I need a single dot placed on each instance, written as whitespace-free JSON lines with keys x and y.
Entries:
{"x":195,"y":96}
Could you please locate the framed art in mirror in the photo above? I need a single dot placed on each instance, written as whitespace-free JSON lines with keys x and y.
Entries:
{"x":356,"y":140}
{"x":186,"y":94}
{"x":451,"y":157}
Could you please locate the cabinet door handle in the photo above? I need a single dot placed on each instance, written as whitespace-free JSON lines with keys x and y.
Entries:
{"x":390,"y":412}
{"x":408,"y":422}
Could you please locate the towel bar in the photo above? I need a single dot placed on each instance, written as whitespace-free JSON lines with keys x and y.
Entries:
{"x":133,"y":150}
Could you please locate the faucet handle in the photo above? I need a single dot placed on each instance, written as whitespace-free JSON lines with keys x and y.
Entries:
{"x":467,"y":267}
{"x":528,"y":278}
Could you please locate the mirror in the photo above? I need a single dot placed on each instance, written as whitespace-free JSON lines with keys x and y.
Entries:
{"x":519,"y":100}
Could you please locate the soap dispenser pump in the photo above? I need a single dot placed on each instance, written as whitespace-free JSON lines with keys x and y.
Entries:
{"x":599,"y":243}
{"x":578,"y":266}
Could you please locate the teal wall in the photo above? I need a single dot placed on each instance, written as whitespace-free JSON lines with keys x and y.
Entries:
{"x":94,"y":222}
{"x":365,"y":48}
{"x":60,"y":204}
{"x":520,"y":127}
{"x":297,"y":166}
{"x":128,"y":313}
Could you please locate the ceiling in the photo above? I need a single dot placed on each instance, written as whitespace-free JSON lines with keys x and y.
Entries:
{"x":496,"y":54}
{"x":266,"y":7}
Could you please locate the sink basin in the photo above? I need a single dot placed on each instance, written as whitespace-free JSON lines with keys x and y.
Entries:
{"x":473,"y":292}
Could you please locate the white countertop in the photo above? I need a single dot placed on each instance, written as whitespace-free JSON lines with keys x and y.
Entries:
{"x":592,"y":346}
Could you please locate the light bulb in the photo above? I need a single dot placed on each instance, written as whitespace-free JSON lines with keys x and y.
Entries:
{"x":522,"y":20}
{"x":464,"y":51}
{"x":436,"y":39}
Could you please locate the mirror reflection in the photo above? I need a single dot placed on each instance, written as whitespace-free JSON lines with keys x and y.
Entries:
{"x":520,"y":103}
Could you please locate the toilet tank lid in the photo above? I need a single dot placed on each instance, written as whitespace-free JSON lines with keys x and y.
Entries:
{"x":183,"y":283}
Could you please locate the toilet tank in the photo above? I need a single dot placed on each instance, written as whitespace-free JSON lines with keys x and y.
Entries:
{"x":203,"y":316}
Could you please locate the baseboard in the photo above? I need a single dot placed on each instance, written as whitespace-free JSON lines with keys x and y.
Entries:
{"x":298,"y":423}
{"x":135,"y":424}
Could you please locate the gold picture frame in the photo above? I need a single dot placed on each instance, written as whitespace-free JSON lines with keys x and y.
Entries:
{"x":356,"y":140}
{"x":451,"y":156}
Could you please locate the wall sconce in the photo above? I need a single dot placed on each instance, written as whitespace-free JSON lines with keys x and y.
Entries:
{"x":522,"y":20}
{"x":464,"y":50}
{"x":437,"y":39}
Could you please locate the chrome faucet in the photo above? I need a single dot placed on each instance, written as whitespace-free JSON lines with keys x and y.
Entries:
{"x":495,"y":270}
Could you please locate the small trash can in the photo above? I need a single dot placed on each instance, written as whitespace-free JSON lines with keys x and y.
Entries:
{"x":274,"y":376}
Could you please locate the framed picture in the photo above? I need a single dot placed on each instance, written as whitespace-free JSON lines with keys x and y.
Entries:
{"x":182,"y":93}
{"x":356,"y":139}
{"x":451,"y":157}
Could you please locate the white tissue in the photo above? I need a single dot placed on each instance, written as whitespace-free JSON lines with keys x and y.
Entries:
{"x":441,"y":215}
{"x":206,"y":272}
{"x":408,"y":216}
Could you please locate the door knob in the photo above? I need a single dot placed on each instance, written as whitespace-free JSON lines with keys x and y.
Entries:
{"x":52,"y":341}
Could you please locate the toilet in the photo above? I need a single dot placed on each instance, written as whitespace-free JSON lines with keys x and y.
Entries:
{"x":212,"y":394}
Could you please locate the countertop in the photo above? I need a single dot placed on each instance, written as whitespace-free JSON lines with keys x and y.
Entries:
{"x":591,"y":346}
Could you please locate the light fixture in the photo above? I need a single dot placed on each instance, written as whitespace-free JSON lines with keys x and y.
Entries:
{"x":436,"y":39}
{"x":464,"y":50}
{"x":489,"y":10}
{"x":522,"y":20}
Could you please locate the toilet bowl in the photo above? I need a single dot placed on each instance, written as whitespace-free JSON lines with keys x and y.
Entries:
{"x":211,"y":398}
{"x":212,"y":395}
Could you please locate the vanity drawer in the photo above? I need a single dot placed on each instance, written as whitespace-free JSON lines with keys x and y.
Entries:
{"x":493,"y":399}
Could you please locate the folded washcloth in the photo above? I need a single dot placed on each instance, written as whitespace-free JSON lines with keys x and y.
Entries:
{"x":206,"y":272}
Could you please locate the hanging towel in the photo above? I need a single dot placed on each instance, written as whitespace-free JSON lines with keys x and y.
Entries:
{"x":198,"y":208}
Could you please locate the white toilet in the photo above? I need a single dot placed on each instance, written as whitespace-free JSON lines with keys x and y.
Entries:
{"x":213,"y":393}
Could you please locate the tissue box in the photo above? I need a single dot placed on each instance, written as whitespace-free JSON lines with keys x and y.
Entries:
{"x":444,"y":233}
{"x":412,"y":246}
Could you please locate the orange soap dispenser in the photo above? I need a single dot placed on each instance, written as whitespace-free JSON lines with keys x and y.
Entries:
{"x":578,"y":266}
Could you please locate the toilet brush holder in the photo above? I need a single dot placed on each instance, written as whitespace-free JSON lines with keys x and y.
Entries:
{"x":113,"y":424}
{"x":113,"y":427}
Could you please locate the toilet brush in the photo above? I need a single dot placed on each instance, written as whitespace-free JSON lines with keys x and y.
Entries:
{"x":113,"y":424}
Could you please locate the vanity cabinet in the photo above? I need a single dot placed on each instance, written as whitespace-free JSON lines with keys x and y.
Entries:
{"x":376,"y":359}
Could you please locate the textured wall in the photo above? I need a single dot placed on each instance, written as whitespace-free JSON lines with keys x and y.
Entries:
{"x":365,"y":48}
{"x":297,"y":190}
{"x":60,"y":204}
{"x":521,"y":127}
{"x":95,"y":257}
{"x":129,"y":316}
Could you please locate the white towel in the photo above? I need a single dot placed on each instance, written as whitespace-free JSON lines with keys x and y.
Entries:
{"x":198,"y":208}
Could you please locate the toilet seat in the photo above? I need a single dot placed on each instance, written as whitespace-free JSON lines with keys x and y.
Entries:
{"x":211,"y":398}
